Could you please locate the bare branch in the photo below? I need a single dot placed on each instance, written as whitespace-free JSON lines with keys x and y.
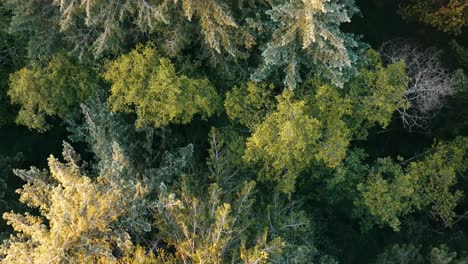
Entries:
{"x":429,"y":82}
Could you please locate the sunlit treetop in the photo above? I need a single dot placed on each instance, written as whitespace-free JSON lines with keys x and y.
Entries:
{"x":394,"y":190}
{"x":148,"y":85}
{"x":315,"y":124}
{"x":53,"y":90}
{"x":284,"y":141}
{"x":448,"y":16}
{"x":171,"y":18}
{"x":377,"y":91}
{"x":82,"y":218}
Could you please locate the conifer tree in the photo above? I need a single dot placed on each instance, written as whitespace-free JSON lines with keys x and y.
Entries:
{"x":82,"y":218}
{"x":210,"y":219}
{"x":35,"y":25}
{"x":306,"y":34}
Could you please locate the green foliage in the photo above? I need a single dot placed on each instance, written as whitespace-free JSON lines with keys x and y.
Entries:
{"x":318,"y":129}
{"x":53,"y":90}
{"x":406,"y":253}
{"x":376,"y":93}
{"x":409,"y":253}
{"x":209,"y":223}
{"x":99,"y":127}
{"x":225,"y":157}
{"x":169,"y":17}
{"x":11,"y":57}
{"x":287,"y":220}
{"x":144,"y":83}
{"x":388,"y":200}
{"x":294,"y":35}
{"x":341,"y":186}
{"x":330,"y":107}
{"x":287,"y":224}
{"x":83,"y":219}
{"x":284,"y":141}
{"x":156,"y":190}
{"x":140,"y":256}
{"x":216,"y":219}
{"x":392,"y":191}
{"x":206,"y":228}
{"x":448,"y":16}
{"x":249,"y":103}
{"x":172,"y":166}
{"x":307,"y":33}
{"x":262,"y":251}
{"x":443,"y":255}
{"x":35,"y":24}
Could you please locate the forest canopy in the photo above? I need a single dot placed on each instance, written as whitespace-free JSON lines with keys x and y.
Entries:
{"x":245,"y":131}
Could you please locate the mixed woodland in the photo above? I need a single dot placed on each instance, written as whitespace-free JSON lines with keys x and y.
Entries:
{"x":233,"y":131}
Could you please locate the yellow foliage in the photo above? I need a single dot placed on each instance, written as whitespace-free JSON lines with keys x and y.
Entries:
{"x":284,"y":141}
{"x":148,"y":85}
{"x":79,"y":222}
{"x":451,"y":17}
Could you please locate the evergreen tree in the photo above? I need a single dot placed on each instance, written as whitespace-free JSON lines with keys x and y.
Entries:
{"x":83,"y":219}
{"x":35,"y":22}
{"x":301,"y":165}
{"x":306,"y":33}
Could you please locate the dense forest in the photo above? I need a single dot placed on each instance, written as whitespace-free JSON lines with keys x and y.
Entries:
{"x":233,"y":131}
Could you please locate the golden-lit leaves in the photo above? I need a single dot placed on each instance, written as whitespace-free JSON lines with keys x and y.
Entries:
{"x":80,"y":215}
{"x":54,"y":90}
{"x":450,"y":17}
{"x":318,"y":129}
{"x":148,"y":85}
{"x":284,"y":141}
{"x":391,"y":191}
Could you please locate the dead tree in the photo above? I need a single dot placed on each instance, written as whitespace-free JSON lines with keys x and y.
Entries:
{"x":429,"y":82}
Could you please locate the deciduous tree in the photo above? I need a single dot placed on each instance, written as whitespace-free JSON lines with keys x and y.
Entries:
{"x":449,"y":16}
{"x":392,"y":191}
{"x":147,"y":84}
{"x":315,"y":125}
{"x":54,"y":90}
{"x":250,"y":103}
{"x":429,"y":82}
